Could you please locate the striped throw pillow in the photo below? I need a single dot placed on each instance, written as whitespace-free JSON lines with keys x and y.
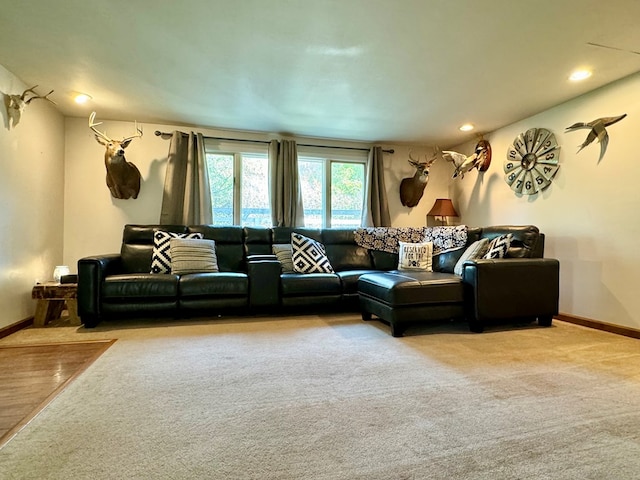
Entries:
{"x":193,"y":256}
{"x":283,"y":252}
{"x":161,"y":257}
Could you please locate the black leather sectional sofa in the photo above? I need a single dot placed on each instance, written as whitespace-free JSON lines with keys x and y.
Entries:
{"x":250,"y":280}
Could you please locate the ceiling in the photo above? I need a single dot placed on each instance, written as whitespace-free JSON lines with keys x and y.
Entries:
{"x":392,"y":71}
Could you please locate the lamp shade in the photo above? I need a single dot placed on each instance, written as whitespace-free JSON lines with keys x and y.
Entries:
{"x":442,"y":208}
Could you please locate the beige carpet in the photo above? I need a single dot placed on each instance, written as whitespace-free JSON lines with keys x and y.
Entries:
{"x":332,"y":397}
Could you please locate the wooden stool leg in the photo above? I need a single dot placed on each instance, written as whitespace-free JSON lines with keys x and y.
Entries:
{"x":40,"y":317}
{"x":72,"y":308}
{"x":55,"y":309}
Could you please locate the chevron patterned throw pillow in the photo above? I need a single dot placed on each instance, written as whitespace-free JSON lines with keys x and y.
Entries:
{"x":161,"y":258}
{"x":499,"y":246}
{"x":309,"y":255}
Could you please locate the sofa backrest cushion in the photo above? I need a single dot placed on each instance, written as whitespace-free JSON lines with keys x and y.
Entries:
{"x":343,"y":252}
{"x":229,"y":245}
{"x":339,"y":243}
{"x":283,"y":234}
{"x":258,"y":241}
{"x":527,"y":242}
{"x":137,"y":245}
{"x":384,"y":260}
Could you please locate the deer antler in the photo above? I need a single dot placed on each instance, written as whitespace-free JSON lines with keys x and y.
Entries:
{"x":426,"y":162}
{"x":32,"y":90}
{"x":93,"y":125}
{"x":139,"y":134}
{"x":35,"y":95}
{"x":412,"y":160}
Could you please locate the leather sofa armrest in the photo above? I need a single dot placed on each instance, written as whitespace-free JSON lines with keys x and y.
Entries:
{"x":264,"y":280}
{"x":91,"y":273}
{"x":511,"y":288}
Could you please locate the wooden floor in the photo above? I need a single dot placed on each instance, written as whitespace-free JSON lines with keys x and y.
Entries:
{"x":32,"y":375}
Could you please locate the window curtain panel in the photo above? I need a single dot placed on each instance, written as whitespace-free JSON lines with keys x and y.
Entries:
{"x":375,"y":212}
{"x":284,"y":184}
{"x":187,"y":197}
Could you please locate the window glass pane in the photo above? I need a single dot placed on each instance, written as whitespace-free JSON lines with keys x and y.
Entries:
{"x":254,"y":192}
{"x":347,"y":194}
{"x":311,"y":174}
{"x":220,"y":170}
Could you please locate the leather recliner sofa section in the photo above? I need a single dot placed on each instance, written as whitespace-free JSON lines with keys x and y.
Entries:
{"x":250,"y":279}
{"x":523,"y":286}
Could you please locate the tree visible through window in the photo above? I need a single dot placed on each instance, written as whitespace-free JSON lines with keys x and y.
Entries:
{"x":347,"y":194}
{"x":332,"y":191}
{"x":239,"y":182}
{"x":220,"y":171}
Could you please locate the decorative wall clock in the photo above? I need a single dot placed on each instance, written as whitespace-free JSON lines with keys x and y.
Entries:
{"x":532,"y":161}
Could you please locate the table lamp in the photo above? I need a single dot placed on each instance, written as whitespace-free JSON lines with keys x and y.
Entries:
{"x":443,"y":208}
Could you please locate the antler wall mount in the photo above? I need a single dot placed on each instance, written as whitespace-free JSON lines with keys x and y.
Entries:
{"x":17,"y":103}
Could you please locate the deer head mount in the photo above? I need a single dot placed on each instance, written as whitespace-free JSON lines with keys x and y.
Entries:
{"x":412,"y":188}
{"x":123,"y":178}
{"x":17,"y":103}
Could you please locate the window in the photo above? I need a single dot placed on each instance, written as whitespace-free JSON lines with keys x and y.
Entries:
{"x":239,"y":181}
{"x":332,"y":185}
{"x":331,"y":181}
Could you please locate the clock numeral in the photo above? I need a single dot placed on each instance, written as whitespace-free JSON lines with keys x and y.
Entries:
{"x":550,"y":156}
{"x":518,"y":183}
{"x":547,"y":169}
{"x":512,"y":154}
{"x":512,"y":176}
{"x":539,"y":180}
{"x":528,"y":185}
{"x":509,"y":166}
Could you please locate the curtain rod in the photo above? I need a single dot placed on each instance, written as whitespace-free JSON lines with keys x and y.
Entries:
{"x":168,"y":135}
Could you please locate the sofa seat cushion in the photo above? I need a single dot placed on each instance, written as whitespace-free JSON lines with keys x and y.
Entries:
{"x":349,"y":279}
{"x":398,"y":288}
{"x":303,"y":284}
{"x":140,"y":285}
{"x":218,"y":284}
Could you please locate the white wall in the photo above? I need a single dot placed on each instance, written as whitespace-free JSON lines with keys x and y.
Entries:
{"x":590,"y":213}
{"x":31,"y":199}
{"x":94,"y":220}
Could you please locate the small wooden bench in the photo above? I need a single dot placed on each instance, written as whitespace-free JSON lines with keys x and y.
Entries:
{"x":52,"y":298}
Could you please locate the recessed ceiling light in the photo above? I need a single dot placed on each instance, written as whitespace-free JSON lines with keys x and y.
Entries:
{"x":578,"y":75}
{"x":81,"y":98}
{"x":466,"y":127}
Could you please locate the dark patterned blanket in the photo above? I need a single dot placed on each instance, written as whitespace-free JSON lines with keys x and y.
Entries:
{"x":444,"y":238}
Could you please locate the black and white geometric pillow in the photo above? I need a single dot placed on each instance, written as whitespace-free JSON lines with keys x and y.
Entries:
{"x":161,"y":258}
{"x":308,"y":255}
{"x":499,"y":246}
